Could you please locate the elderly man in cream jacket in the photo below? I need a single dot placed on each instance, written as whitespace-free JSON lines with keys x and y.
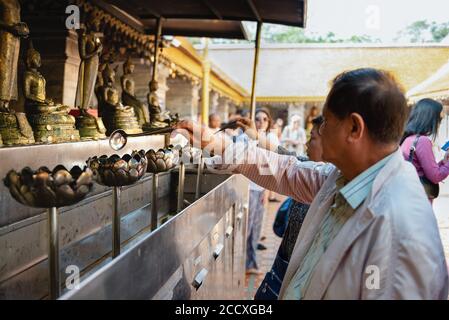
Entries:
{"x":370,"y":232}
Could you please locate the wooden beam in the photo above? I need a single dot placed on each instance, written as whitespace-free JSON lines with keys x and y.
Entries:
{"x":254,"y":10}
{"x":119,"y":13}
{"x":213,"y":9}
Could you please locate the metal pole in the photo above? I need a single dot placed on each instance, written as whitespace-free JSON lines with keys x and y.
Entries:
{"x":198,"y":178}
{"x":116,"y":222}
{"x":205,"y":85}
{"x":166,"y":140}
{"x":156,"y":47}
{"x":182,"y":172}
{"x":256,"y":63}
{"x":53,"y":253}
{"x":154,"y":202}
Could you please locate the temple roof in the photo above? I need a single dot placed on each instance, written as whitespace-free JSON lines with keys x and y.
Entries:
{"x":205,"y":18}
{"x":288,"y":12}
{"x":302,"y":72}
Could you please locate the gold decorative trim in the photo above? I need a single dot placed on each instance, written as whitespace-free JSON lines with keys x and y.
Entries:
{"x":287,"y":99}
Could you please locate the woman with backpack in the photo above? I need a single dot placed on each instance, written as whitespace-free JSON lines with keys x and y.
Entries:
{"x":416,"y":145}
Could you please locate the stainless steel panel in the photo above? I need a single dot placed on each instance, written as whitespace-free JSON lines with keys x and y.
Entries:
{"x":50,"y":155}
{"x":239,"y":246}
{"x":163,"y":263}
{"x":84,"y":228}
{"x":213,"y":286}
{"x":86,"y":254}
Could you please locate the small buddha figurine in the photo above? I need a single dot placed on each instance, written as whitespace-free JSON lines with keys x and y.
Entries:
{"x":14,"y":126}
{"x":51,"y":122}
{"x":115,"y":115}
{"x":128,"y":93}
{"x":158,"y":119}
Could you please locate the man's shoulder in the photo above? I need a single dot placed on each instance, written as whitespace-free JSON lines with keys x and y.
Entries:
{"x":402,"y":202}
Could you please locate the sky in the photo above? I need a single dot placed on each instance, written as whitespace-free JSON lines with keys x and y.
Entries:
{"x":379,"y":18}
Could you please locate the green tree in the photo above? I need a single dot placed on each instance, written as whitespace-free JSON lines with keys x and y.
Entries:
{"x":272,"y":33}
{"x":439,"y":31}
{"x":424,"y":31}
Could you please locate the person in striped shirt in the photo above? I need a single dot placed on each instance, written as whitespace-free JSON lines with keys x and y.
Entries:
{"x":370,"y":232}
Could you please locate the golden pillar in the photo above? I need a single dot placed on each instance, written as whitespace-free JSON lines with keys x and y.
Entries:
{"x":205,"y":85}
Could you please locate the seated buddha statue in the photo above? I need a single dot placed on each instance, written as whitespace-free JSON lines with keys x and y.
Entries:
{"x":158,"y":118}
{"x":128,"y":93}
{"x":114,"y":114}
{"x":51,"y":122}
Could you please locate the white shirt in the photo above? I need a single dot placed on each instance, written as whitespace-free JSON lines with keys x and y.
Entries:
{"x":298,"y":135}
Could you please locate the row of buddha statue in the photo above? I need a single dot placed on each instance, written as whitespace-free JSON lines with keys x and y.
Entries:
{"x":48,"y":122}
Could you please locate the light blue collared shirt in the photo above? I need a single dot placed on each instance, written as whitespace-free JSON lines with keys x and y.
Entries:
{"x":356,"y":191}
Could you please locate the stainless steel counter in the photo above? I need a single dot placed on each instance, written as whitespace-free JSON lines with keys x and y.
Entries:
{"x":170,"y":256}
{"x":85,"y":227}
{"x":198,"y":254}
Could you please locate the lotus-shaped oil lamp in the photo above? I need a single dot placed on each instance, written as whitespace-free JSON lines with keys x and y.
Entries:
{"x":51,"y":189}
{"x":116,"y":172}
{"x":188,"y":155}
{"x":47,"y":188}
{"x":162,"y":160}
{"x":159,"y":161}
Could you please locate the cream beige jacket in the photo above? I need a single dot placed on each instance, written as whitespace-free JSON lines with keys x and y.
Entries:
{"x":389,"y":249}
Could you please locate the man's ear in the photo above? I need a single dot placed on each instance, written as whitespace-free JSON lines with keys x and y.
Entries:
{"x":357,"y":127}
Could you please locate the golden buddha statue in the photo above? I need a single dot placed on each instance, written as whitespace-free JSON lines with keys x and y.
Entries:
{"x":158,"y":119}
{"x":115,"y":115}
{"x":90,"y":48}
{"x":51,"y":122}
{"x":128,"y":93}
{"x":14,"y":127}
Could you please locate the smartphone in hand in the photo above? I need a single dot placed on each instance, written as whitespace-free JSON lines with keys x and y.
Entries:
{"x":446,"y":146}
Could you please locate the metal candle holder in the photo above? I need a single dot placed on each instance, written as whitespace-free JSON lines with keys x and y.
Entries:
{"x":181,"y":179}
{"x":51,"y":190}
{"x":198,"y":178}
{"x":116,"y":172}
{"x":187,"y":155}
{"x":159,"y":161}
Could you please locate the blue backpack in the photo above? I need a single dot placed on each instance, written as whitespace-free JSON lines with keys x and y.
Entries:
{"x":281,"y":220}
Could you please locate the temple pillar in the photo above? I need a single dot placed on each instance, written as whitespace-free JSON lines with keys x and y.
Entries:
{"x":183,"y":97}
{"x":213,"y":101}
{"x":223,"y":108}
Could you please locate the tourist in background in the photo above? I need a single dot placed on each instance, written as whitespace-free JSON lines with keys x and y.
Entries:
{"x":257,"y":198}
{"x":278,"y":126}
{"x":294,"y":136}
{"x":214,"y":122}
{"x":417,"y":145}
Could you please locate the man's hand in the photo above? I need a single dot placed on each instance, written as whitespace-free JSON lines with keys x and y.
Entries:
{"x":202,"y":137}
{"x":248,"y":126}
